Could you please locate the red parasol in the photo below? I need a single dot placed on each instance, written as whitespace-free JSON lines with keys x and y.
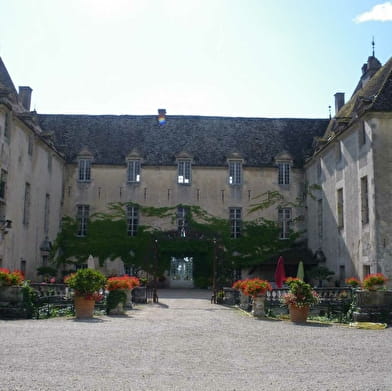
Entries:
{"x":280,"y":274}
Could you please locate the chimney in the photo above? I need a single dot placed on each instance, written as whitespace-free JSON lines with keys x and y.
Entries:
{"x":25,"y":96}
{"x":339,"y":101}
{"x":161,"y":116}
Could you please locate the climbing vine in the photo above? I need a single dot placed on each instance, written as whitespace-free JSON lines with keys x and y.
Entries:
{"x":206,"y":237}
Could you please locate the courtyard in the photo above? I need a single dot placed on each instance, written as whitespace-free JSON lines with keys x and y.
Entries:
{"x":186,"y":343}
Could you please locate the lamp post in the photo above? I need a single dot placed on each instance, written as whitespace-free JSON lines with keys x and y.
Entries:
{"x":154,"y":292}
{"x":214,"y":272}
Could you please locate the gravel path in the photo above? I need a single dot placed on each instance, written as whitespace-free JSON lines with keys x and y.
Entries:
{"x":186,"y":343}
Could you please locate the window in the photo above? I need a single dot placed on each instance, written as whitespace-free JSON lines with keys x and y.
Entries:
{"x":320,"y":219}
{"x":342,"y":273}
{"x":319,"y":169}
{"x":283,"y":173}
{"x":366,"y":270}
{"x":364,"y":200}
{"x":133,"y":171}
{"x":184,"y":172}
{"x":46,"y":213}
{"x":338,"y":152}
{"x":84,"y":170}
{"x":340,"y":208}
{"x":3,"y":183}
{"x":132,"y":220}
{"x":81,"y":266}
{"x":7,"y":128}
{"x":284,"y":219}
{"x":82,"y":219}
{"x":362,"y":135}
{"x":26,"y":206}
{"x":50,"y":161}
{"x":235,"y":222}
{"x":23,"y":264}
{"x":30,"y":145}
{"x":182,"y":220}
{"x":235,"y":172}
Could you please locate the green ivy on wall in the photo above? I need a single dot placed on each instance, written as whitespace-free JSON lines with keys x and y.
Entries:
{"x":107,"y":238}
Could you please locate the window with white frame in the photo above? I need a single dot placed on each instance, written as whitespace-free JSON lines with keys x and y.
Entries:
{"x":82,"y":216}
{"x":26,"y":205}
{"x":132,"y":219}
{"x":133,"y":171}
{"x":182,"y":213}
{"x":283,"y":173}
{"x":284,"y":219}
{"x":184,"y":172}
{"x":340,"y":208}
{"x":84,"y":166}
{"x":235,"y":172}
{"x":235,"y":222}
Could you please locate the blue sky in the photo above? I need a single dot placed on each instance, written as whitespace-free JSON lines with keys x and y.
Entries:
{"x":251,"y":58}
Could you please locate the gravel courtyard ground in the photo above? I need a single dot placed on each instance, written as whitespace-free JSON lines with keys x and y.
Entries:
{"x":186,"y":343}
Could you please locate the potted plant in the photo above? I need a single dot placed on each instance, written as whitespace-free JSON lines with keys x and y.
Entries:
{"x":299,"y":299}
{"x":353,"y":282}
{"x":86,"y":284}
{"x":373,"y":302}
{"x":256,"y":289}
{"x":244,"y":299}
{"x":11,"y":286}
{"x":374,"y":282}
{"x":119,"y":292}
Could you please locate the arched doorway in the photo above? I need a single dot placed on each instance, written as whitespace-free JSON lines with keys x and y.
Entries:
{"x":181,"y":272}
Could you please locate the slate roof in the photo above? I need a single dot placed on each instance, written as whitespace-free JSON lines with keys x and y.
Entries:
{"x":209,"y":140}
{"x":5,"y":79}
{"x":375,"y":96}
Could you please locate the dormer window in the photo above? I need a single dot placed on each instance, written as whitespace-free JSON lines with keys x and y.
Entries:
{"x":284,"y":161}
{"x":84,"y":167}
{"x":184,"y":171}
{"x":133,"y":171}
{"x":235,"y":172}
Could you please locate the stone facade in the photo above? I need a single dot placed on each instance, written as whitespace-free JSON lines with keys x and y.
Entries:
{"x":348,"y":216}
{"x":194,"y":160}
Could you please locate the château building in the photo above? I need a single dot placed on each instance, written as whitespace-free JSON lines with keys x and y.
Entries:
{"x":77,"y":165}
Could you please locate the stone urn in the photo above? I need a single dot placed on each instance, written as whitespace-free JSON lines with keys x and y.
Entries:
{"x":373,"y":306}
{"x":118,"y":309}
{"x":244,"y":301}
{"x":298,"y":314}
{"x":258,"y":306}
{"x":84,"y":308}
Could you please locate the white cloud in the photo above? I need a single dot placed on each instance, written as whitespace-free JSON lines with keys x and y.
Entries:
{"x":380,"y":13}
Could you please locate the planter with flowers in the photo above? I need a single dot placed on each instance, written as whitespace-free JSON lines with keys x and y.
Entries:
{"x":373,"y":302}
{"x":87,"y":285}
{"x":11,"y":294}
{"x":256,"y":289}
{"x":244,"y":300}
{"x":120,"y":293}
{"x":353,"y":282}
{"x":299,"y":299}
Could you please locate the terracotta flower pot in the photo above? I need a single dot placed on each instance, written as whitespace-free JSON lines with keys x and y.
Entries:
{"x":84,"y":308}
{"x":298,"y":314}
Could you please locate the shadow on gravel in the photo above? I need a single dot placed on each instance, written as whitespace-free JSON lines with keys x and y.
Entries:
{"x":311,"y":324}
{"x":93,"y":320}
